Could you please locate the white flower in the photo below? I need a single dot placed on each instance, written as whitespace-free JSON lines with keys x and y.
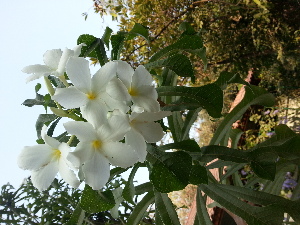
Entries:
{"x":100,"y":146}
{"x":143,"y":128}
{"x":55,"y":62}
{"x":139,"y":86}
{"x":102,"y":93}
{"x":46,"y":160}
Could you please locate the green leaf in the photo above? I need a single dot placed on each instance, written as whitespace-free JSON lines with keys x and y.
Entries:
{"x":186,"y":28}
{"x":173,"y":167}
{"x":37,"y":87}
{"x":106,"y":36}
{"x":234,"y":199}
{"x":209,"y":97}
{"x":140,"y":209}
{"x":254,"y":96}
{"x":198,"y":175}
{"x":138,"y":30}
{"x":77,"y":216}
{"x":176,"y":124}
{"x":190,"y":42}
{"x":164,"y":207}
{"x":117,"y":42}
{"x":96,"y":201}
{"x":43,"y":119}
{"x":202,"y":215}
{"x":187,"y":145}
{"x":226,"y":78}
{"x":191,"y":116}
{"x":129,"y":189}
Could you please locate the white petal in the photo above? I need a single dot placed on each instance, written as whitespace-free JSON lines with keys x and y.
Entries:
{"x":137,"y":142}
{"x":43,"y":177}
{"x":96,"y":171}
{"x":49,"y":140}
{"x":95,"y":112}
{"x":141,"y":77}
{"x":52,"y":57}
{"x":119,"y":154}
{"x":152,"y":132}
{"x":67,"y":174}
{"x":71,"y":161}
{"x":117,"y":90}
{"x":38,"y":69}
{"x":115,"y":128}
{"x":79,"y":73}
{"x":149,"y":104}
{"x":113,"y":104}
{"x":77,"y":49}
{"x":84,"y":131}
{"x":70,"y":97}
{"x":84,"y":151}
{"x":125,"y":73}
{"x":150,"y":116}
{"x":34,"y":157}
{"x":67,"y":53}
{"x":103,"y":76}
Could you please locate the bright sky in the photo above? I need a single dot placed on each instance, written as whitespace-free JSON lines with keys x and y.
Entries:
{"x":30,"y":28}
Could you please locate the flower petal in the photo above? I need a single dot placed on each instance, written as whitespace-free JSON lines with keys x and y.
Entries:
{"x":43,"y":177}
{"x":125,"y":73}
{"x":34,"y":157}
{"x":84,"y":151}
{"x":49,"y":140}
{"x":119,"y":154}
{"x":149,"y":104}
{"x":137,"y":142}
{"x":77,"y":49}
{"x":79,"y":73}
{"x":150,"y":116}
{"x":95,"y":112}
{"x":152,"y":132}
{"x":70,"y":97}
{"x":52,"y":58}
{"x":113,"y":104}
{"x":115,"y":128}
{"x":117,"y":90}
{"x":141,"y":77}
{"x":84,"y":131}
{"x":37,"y":69}
{"x":67,"y":53}
{"x":103,"y":76}
{"x":96,"y":171}
{"x":67,"y":174}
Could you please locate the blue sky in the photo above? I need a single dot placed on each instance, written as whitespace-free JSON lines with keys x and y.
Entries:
{"x":30,"y":28}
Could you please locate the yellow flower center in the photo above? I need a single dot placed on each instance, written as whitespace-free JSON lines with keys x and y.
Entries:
{"x":56,"y":153}
{"x":96,"y":144}
{"x":91,"y":96}
{"x":133,"y":92}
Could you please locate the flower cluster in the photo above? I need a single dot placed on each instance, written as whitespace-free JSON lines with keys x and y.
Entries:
{"x":119,"y":106}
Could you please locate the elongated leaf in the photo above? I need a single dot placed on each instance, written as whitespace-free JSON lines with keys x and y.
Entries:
{"x":270,"y":214}
{"x":77,"y":216}
{"x":43,"y":119}
{"x":106,"y":36}
{"x":202,"y":215}
{"x":191,"y":42}
{"x":176,"y":123}
{"x":226,"y":78}
{"x":164,"y":207}
{"x":198,"y":175}
{"x":95,"y":201}
{"x":143,"y":188}
{"x":209,"y":97}
{"x":129,"y":189}
{"x":140,"y":209}
{"x":117,"y":42}
{"x":187,"y":145}
{"x":173,"y":167}
{"x":188,"y":122}
{"x":254,"y":96}
{"x":138,"y":30}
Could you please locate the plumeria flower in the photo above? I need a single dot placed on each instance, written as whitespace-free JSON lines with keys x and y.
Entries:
{"x":102,"y":93}
{"x":55,"y":63}
{"x":139,"y":86}
{"x":99,"y":147}
{"x":46,"y":160}
{"x":143,"y":128}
